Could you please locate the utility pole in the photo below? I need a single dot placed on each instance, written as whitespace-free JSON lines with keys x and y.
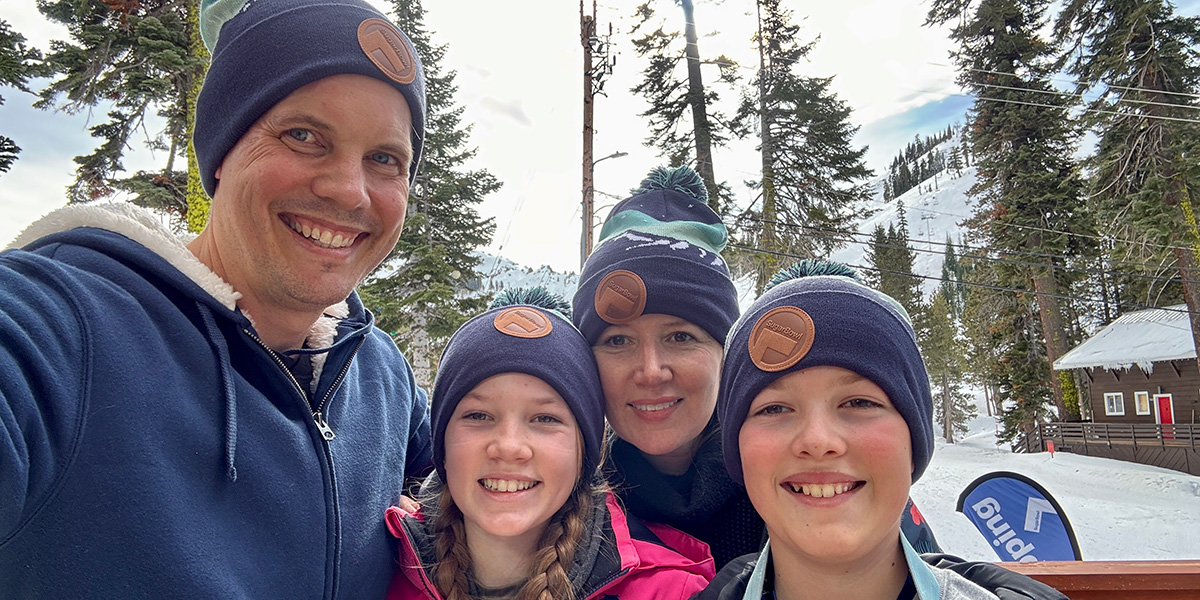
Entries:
{"x":594,"y":75}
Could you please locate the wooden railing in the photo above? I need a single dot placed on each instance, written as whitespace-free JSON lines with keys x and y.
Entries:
{"x":1113,"y":580}
{"x":1174,"y":447}
{"x":1122,"y":433}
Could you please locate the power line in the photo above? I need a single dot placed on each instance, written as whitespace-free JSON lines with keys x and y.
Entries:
{"x":856,"y":234}
{"x":968,"y":283}
{"x":1092,"y":110}
{"x":1081,"y":97}
{"x":1077,"y":84}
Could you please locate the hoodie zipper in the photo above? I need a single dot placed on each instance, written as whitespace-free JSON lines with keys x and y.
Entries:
{"x":317,"y":412}
{"x":318,"y":417}
{"x":326,"y":434}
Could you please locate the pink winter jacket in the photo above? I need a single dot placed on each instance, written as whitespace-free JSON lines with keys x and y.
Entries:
{"x":656,"y":562}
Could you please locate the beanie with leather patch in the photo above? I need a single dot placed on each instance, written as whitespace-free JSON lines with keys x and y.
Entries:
{"x":659,"y":253}
{"x":263,"y":50}
{"x":819,"y":313}
{"x":525,"y":331}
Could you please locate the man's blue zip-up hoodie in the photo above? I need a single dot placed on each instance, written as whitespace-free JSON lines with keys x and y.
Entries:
{"x":152,"y":447}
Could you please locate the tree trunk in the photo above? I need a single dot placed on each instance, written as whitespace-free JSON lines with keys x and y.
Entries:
{"x":704,"y":163}
{"x":947,"y":410}
{"x":768,"y":241}
{"x":198,"y":203}
{"x":419,"y":334}
{"x":1053,"y":331}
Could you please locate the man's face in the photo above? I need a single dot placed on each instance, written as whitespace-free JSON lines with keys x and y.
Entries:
{"x":312,"y":197}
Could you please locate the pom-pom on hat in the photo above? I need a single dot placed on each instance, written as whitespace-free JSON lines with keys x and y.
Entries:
{"x":524,"y":331}
{"x":263,"y":50}
{"x":820,"y":314}
{"x":659,"y":253}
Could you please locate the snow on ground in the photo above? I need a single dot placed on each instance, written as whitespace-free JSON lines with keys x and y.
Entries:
{"x":1119,"y":510}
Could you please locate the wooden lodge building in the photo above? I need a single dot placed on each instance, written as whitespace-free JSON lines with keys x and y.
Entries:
{"x":1144,"y":392}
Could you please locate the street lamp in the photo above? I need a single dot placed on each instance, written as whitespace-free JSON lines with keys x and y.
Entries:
{"x":585,"y":241}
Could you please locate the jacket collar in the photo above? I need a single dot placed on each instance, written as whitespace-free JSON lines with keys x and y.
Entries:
{"x":927,"y":585}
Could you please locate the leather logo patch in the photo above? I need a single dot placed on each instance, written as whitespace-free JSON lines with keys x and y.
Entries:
{"x":620,"y":297}
{"x":523,"y":322}
{"x":382,"y":44}
{"x":781,"y":338}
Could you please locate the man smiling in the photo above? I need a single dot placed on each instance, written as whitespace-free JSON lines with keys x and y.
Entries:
{"x":219,"y":417}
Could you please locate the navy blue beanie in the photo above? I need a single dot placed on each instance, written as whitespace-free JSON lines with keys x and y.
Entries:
{"x":820,"y":314}
{"x":526,"y":337}
{"x":267,"y":49}
{"x":659,"y":253}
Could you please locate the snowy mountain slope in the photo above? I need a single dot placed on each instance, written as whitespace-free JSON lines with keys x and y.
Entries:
{"x":934,"y":210}
{"x":495,"y":274}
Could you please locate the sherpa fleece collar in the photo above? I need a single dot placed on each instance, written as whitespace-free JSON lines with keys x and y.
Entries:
{"x":147,"y":229}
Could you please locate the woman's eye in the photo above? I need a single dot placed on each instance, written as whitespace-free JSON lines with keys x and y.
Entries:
{"x":682,"y":337}
{"x":547,"y":419}
{"x":616,"y":340}
{"x":384,"y":158}
{"x":475,"y":416}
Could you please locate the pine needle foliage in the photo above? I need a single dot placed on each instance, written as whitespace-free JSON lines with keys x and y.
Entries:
{"x":18,"y":64}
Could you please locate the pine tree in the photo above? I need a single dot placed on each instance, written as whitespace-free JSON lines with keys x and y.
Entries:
{"x":1004,"y":350}
{"x":890,"y":261}
{"x":1028,"y":186}
{"x":419,"y":292}
{"x":18,"y":64}
{"x":812,"y":177}
{"x":955,"y":161}
{"x":1141,"y":61}
{"x":672,"y":98}
{"x":943,"y":354}
{"x":134,"y":57}
{"x":952,"y":287}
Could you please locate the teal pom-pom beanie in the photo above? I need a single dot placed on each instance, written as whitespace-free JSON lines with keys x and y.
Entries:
{"x":659,"y":253}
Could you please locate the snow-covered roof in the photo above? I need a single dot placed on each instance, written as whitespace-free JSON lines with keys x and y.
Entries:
{"x":1139,"y":338}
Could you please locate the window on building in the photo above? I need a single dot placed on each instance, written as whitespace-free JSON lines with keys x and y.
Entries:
{"x":1141,"y":400}
{"x":1114,"y":404}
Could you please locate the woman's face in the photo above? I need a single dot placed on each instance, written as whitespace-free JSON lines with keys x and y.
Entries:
{"x":513,"y":455}
{"x":660,"y":375}
{"x":827,"y":462}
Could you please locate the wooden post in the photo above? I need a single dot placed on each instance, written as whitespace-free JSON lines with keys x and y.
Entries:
{"x":587,"y":31}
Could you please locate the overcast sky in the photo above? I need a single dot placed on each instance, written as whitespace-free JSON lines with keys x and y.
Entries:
{"x":519,"y":79}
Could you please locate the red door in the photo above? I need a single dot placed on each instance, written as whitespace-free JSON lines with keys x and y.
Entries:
{"x":1166,"y":415}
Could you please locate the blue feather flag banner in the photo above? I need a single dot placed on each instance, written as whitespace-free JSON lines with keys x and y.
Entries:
{"x":1019,"y":518}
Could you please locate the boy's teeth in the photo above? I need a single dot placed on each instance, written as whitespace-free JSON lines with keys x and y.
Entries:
{"x":654,"y":407}
{"x":507,"y":485}
{"x":822,"y":490}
